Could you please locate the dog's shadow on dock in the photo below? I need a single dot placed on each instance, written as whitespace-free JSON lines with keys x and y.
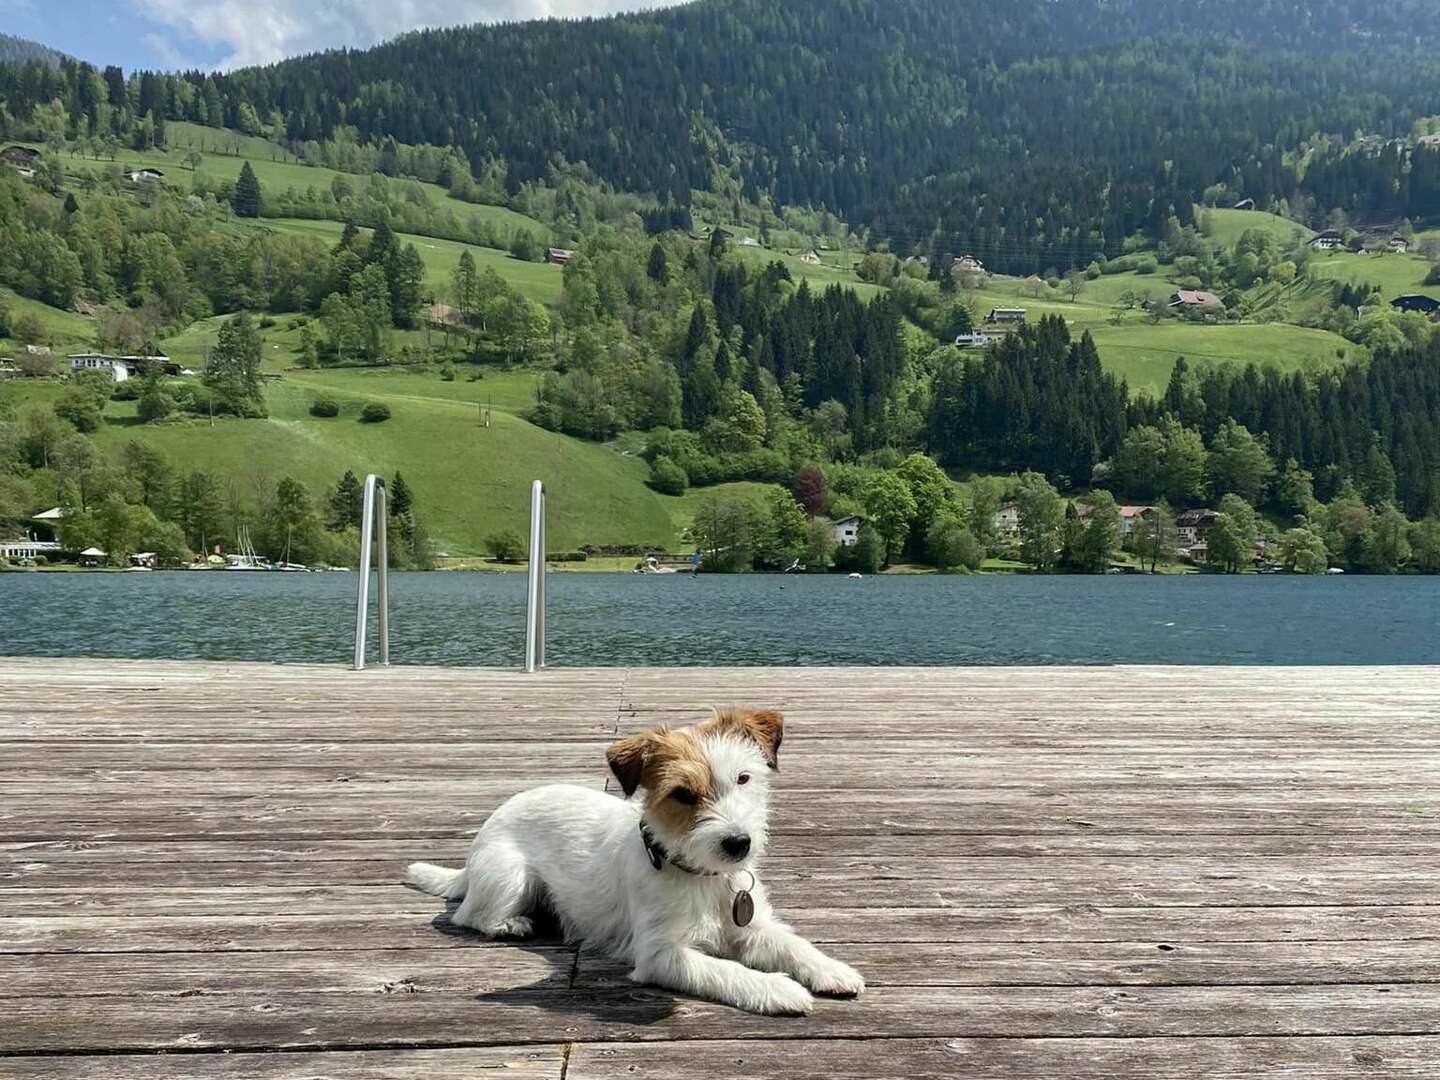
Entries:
{"x":578,"y":984}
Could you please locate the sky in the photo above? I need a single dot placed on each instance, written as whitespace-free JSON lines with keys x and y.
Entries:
{"x":171,"y":34}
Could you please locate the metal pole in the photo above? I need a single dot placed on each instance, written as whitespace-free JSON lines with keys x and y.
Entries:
{"x":374,"y":493}
{"x":535,"y":601}
{"x":362,"y":595}
{"x":382,"y":594}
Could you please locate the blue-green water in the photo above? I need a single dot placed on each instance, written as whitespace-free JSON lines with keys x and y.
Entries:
{"x":602,"y":619}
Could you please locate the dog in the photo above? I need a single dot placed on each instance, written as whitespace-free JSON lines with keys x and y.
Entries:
{"x":667,"y":882}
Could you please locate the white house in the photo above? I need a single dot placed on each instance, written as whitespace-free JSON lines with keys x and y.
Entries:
{"x":1193,"y":526}
{"x":749,"y":241}
{"x":1329,"y":240}
{"x":146,"y":176}
{"x":117,"y":367}
{"x":28,"y":549}
{"x":1007,"y":520}
{"x":847,"y":530}
{"x":978,"y":339}
{"x":1398,"y":244}
{"x":811,"y":257}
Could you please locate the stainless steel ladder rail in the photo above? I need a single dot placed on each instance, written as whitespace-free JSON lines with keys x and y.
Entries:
{"x":374,"y":497}
{"x":535,"y":601}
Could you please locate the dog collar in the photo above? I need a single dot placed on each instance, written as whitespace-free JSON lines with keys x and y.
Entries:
{"x":658,"y":856}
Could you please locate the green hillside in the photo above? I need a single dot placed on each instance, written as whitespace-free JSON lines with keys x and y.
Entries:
{"x":469,"y":481}
{"x":538,"y":281}
{"x":1395,"y":274}
{"x":1229,"y":225}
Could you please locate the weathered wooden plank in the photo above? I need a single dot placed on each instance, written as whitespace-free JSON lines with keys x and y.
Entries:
{"x":1059,"y":925}
{"x":1310,"y":1058}
{"x":362,"y":970}
{"x":39,"y":856}
{"x":511,"y":1062}
{"x":301,"y":1021}
{"x":836,"y":881}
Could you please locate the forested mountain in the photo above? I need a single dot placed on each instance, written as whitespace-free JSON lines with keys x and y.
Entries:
{"x":14,"y":50}
{"x":1031,"y":132}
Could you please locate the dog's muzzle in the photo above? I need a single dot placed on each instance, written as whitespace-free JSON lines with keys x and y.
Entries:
{"x":737,"y":847}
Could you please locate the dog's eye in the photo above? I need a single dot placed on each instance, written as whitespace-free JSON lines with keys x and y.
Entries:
{"x":743,"y":778}
{"x":684,"y":796}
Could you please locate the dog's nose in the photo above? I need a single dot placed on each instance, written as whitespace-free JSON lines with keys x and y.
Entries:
{"x":736,"y":846}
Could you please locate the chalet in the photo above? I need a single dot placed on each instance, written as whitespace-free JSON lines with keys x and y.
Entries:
{"x":978,"y":339}
{"x":146,"y":176}
{"x":1398,"y":244}
{"x":1006,"y":315}
{"x":1130,"y":516}
{"x":559,"y":256}
{"x":1329,"y":240}
{"x":1196,"y":300}
{"x":1425,"y":305}
{"x":749,"y":241}
{"x":967,"y":264}
{"x":1245,"y":204}
{"x":121,"y":368}
{"x":1007,"y":520}
{"x":1193,"y":526}
{"x":811,"y":257}
{"x":847,"y":530}
{"x":21,"y":158}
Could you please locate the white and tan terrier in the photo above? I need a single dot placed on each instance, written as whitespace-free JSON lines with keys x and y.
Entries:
{"x":667,"y":882}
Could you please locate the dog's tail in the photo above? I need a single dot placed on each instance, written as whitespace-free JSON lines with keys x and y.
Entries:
{"x":436,"y":880}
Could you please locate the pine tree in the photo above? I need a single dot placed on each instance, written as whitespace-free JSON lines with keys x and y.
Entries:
{"x":659,"y":265}
{"x":247,"y":198}
{"x":346,"y":503}
{"x":402,"y":505}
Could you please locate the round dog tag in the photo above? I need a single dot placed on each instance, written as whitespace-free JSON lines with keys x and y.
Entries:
{"x":743,"y":910}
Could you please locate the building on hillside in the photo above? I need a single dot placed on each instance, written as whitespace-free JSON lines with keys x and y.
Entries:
{"x":979,"y":338}
{"x":121,"y":368}
{"x":1002,"y":316}
{"x":1007,"y":520}
{"x":847,"y":530}
{"x":28,"y":549}
{"x":967,"y":264}
{"x":1398,"y":244}
{"x":1329,"y":240}
{"x":811,"y":257}
{"x":1193,"y":526}
{"x":1131,"y":516}
{"x":1245,"y":204}
{"x":20,"y":158}
{"x":559,"y":256}
{"x":146,"y":176}
{"x":1196,"y":300}
{"x":1430,"y":140}
{"x":1425,"y":305}
{"x":749,"y":241}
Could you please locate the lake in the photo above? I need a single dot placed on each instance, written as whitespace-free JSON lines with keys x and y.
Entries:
{"x":623,"y":619}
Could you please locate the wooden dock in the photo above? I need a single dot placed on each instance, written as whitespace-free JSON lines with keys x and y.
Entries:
{"x":1045,"y":874}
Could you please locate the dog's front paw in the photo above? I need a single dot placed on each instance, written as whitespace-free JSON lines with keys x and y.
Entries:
{"x":782,"y":996}
{"x":834,"y":979}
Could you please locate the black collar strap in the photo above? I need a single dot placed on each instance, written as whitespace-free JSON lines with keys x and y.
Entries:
{"x":658,"y":856}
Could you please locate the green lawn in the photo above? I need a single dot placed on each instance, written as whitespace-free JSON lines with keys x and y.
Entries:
{"x":1145,"y":354}
{"x":1395,"y":274}
{"x":1231,"y":224}
{"x":277,"y":170}
{"x":817,"y":276}
{"x":64,"y":331}
{"x":469,"y":481}
{"x":539,"y":281}
{"x":511,"y":391}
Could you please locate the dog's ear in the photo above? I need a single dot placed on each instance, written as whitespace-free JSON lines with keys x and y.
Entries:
{"x":767,"y":728}
{"x":627,"y":761}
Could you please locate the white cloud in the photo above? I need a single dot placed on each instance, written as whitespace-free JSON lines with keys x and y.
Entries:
{"x":261,"y":31}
